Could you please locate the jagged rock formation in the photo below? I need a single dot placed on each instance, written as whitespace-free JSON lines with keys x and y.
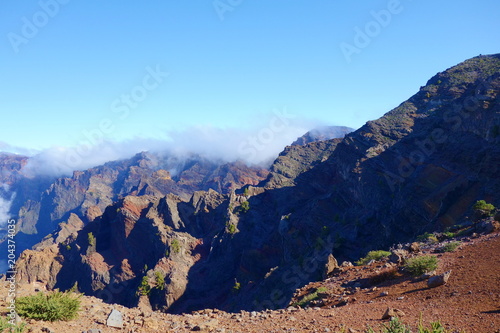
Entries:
{"x":418,"y":168}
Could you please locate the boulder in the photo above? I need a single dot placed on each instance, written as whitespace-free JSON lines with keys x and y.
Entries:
{"x":397,"y":256}
{"x":115,"y":319}
{"x":414,"y":247}
{"x":330,"y":266}
{"x":438,"y":280}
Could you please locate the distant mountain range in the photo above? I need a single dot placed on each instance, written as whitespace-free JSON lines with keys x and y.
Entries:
{"x":225,"y":235}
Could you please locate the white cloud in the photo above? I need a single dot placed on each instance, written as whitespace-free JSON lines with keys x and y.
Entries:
{"x":260,"y":143}
{"x":6,"y":199}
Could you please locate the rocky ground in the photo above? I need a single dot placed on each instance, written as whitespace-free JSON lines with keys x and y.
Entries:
{"x":349,"y":301}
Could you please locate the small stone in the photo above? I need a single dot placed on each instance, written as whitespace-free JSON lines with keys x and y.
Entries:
{"x":115,"y":319}
{"x":292,"y":318}
{"x":414,"y":247}
{"x":438,"y":280}
{"x":391,"y":313}
{"x":384,"y":293}
{"x":400,"y":298}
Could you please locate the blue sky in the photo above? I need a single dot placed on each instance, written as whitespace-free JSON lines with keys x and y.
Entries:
{"x":230,"y":63}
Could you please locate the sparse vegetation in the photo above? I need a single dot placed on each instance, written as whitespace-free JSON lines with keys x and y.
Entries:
{"x":394,"y":326}
{"x":53,"y":306}
{"x":450,"y":247}
{"x":397,"y":326}
{"x":483,"y":209}
{"x":231,"y":228}
{"x":6,"y":327}
{"x":420,"y":265}
{"x":91,"y":239}
{"x":160,"y":281}
{"x":236,"y":287}
{"x":175,"y":246}
{"x":428,"y":238}
{"x":373,"y":255}
{"x":245,"y":206}
{"x":68,"y":247}
{"x":310,"y":297}
{"x":246,"y":192}
{"x":144,"y":288}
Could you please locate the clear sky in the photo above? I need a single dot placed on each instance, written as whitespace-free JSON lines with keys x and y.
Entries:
{"x":67,"y":66}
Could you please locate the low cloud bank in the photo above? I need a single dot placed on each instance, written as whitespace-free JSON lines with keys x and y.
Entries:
{"x":258,"y":144}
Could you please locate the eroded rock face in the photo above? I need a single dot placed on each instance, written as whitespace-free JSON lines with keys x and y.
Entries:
{"x":42,"y":203}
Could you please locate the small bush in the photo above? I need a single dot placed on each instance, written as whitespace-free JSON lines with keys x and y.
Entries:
{"x":160,"y":281}
{"x":91,"y":239}
{"x":420,"y":265}
{"x":428,"y":238}
{"x":373,"y":255}
{"x":483,"y":209}
{"x":231,"y":228}
{"x":144,"y":288}
{"x":450,"y":247}
{"x":49,"y":307}
{"x":7,"y":327}
{"x":245,"y":206}
{"x":449,"y":234}
{"x":175,"y":246}
{"x":236,"y":287}
{"x":394,"y":326}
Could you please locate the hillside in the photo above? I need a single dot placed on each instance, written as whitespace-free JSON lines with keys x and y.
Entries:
{"x":469,"y":302}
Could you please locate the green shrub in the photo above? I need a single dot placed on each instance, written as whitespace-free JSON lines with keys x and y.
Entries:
{"x":144,"y":288}
{"x":397,"y":326}
{"x":91,"y":239}
{"x":428,"y":238}
{"x":7,"y":327}
{"x":483,"y":209}
{"x":160,"y":281}
{"x":420,"y":265}
{"x":373,"y":255}
{"x":245,"y":206}
{"x":450,"y":247}
{"x":449,"y":234}
{"x":49,"y":307}
{"x":231,"y":228}
{"x":236,"y":287}
{"x":175,"y":246}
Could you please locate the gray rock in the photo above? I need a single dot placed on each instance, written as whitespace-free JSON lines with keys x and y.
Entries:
{"x":115,"y":319}
{"x":438,"y":280}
